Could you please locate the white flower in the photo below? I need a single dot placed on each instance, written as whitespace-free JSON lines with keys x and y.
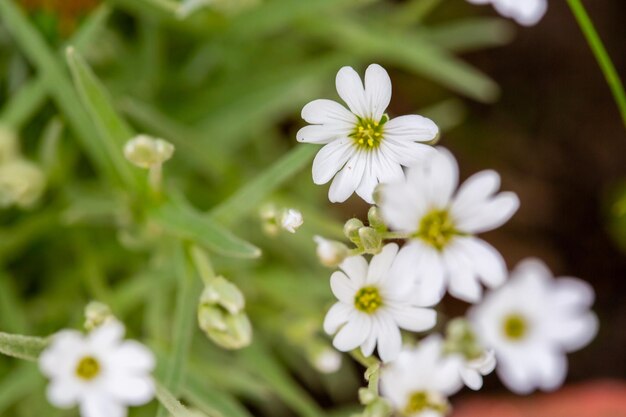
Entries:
{"x":418,"y":383}
{"x":327,"y":361}
{"x":531,"y":321}
{"x":472,"y":371}
{"x":145,"y":151}
{"x":525,"y":12}
{"x":443,"y":250}
{"x":291,"y":220}
{"x":373,"y":305}
{"x":100,"y":372}
{"x":362,"y":146}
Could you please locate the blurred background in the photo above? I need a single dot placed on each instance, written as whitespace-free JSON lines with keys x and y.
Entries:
{"x":225,"y":84}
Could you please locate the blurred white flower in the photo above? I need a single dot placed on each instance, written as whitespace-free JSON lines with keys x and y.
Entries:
{"x":419,"y":382}
{"x":442,"y":223}
{"x":327,"y":361}
{"x":100,"y":372}
{"x":472,"y":371}
{"x":291,"y":220}
{"x":373,"y":305}
{"x":330,"y":252}
{"x":145,"y":151}
{"x":21,"y":183}
{"x":524,"y":12}
{"x":362,"y":146}
{"x":531,"y":321}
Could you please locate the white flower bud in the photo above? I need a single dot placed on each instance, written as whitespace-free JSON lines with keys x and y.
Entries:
{"x":330,"y":252}
{"x":351,"y":229}
{"x":21,"y":183}
{"x":145,"y":151}
{"x":371,"y":240}
{"x":375,"y":219}
{"x":291,"y":220}
{"x":327,"y":360}
{"x":96,"y":314}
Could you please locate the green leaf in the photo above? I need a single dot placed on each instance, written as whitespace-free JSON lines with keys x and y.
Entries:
{"x":22,"y":347}
{"x":248,"y":197}
{"x":176,"y":409}
{"x":185,"y":222}
{"x":17,"y":384}
{"x":112,"y":128}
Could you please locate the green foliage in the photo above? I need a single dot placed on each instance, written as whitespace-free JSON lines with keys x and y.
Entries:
{"x":225,"y":87}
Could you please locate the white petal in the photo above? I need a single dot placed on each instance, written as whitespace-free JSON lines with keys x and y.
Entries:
{"x":369,"y":181}
{"x":98,"y":405}
{"x":389,"y":338}
{"x":486,"y":260}
{"x":63,"y":392}
{"x":471,"y":378}
{"x":573,"y":294}
{"x":429,"y":270}
{"x":133,"y":356}
{"x":336,"y":317}
{"x":61,"y":354}
{"x":381,"y":263}
{"x":475,"y":190}
{"x":516,"y":374}
{"x":488,"y":215}
{"x":443,"y":176}
{"x":551,"y":367}
{"x":377,"y":91}
{"x":414,"y":319}
{"x":463,"y":283}
{"x":367,"y":347}
{"x":527,"y":12}
{"x":411,"y":128}
{"x":405,"y":153}
{"x":387,"y":171}
{"x":350,"y":89}
{"x":348,"y":179}
{"x":400,"y":207}
{"x":343,"y":288}
{"x":330,"y":159}
{"x":131,"y":389}
{"x":356,"y":269}
{"x":327,"y":112}
{"x":574,"y":332}
{"x":106,"y":336}
{"x":353,"y":333}
{"x":321,"y":134}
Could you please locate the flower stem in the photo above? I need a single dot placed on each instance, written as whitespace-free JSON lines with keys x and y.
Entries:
{"x":599,"y":51}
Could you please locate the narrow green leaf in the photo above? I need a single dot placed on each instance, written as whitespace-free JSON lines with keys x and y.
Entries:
{"x":22,"y":347}
{"x":112,"y":128}
{"x":470,"y":34}
{"x":175,"y":408}
{"x":185,"y":222}
{"x":248,"y":197}
{"x":212,"y":400}
{"x":17,"y":384}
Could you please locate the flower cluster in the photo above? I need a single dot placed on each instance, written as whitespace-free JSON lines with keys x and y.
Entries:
{"x":522,"y":326}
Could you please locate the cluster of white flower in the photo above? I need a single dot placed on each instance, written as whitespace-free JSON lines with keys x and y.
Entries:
{"x":524,"y":12}
{"x":525,"y":323}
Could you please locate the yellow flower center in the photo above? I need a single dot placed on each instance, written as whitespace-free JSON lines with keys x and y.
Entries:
{"x":515,"y":327}
{"x":421,"y":401}
{"x":88,"y":368}
{"x":437,"y":229}
{"x":368,"y":134}
{"x":368,"y":300}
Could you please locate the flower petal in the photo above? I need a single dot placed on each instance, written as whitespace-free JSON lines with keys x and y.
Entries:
{"x":330,"y":159}
{"x":381,"y":263}
{"x":99,"y":405}
{"x":488,"y":215}
{"x":353,"y":333}
{"x":475,"y":190}
{"x":411,"y":128}
{"x":342,"y":287}
{"x":106,"y":336}
{"x":337,"y":316}
{"x":486,"y":260}
{"x":427,"y":270}
{"x":133,"y":356}
{"x":407,"y":154}
{"x":348,"y":179}
{"x":389,"y":338}
{"x":471,"y":378}
{"x":414,"y":319}
{"x":442,"y":173}
{"x":63,"y":392}
{"x":463,"y":283}
{"x":130,"y":389}
{"x":329,"y":112}
{"x":377,"y":91}
{"x":356,"y":269}
{"x":350,"y":89}
{"x":526,"y":13}
{"x":322,"y":134}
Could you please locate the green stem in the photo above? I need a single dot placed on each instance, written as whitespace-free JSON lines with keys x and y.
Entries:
{"x":599,"y":51}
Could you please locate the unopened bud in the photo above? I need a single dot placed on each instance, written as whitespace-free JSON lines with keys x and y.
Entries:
{"x":378,"y":408}
{"x":375,"y":219}
{"x":326,"y":360}
{"x":291,"y":220}
{"x":96,"y":314}
{"x":224,"y":293}
{"x":371,"y":240}
{"x":461,"y":339}
{"x":21,"y":183}
{"x":351,"y":229}
{"x":330,"y":252}
{"x":9,"y":147}
{"x":145,"y":151}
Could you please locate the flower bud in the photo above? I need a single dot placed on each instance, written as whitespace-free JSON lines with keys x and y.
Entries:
{"x":291,"y":220}
{"x":224,"y":293}
{"x":146,"y":152}
{"x":21,"y":183}
{"x":375,"y":219}
{"x":326,"y":360}
{"x":461,"y":339}
{"x":351,"y":229}
{"x":330,"y":252}
{"x":371,"y":240}
{"x":96,"y":314}
{"x":378,"y":408}
{"x":9,"y":147}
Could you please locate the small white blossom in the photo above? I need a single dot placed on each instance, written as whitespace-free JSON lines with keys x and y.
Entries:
{"x":524,"y":12}
{"x":442,"y":222}
{"x":100,"y":372}
{"x":419,"y":382}
{"x":531,"y":321}
{"x":373,"y":305}
{"x":145,"y":151}
{"x":291,"y":220}
{"x":327,"y":361}
{"x":472,"y":371}
{"x":362,"y":146}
